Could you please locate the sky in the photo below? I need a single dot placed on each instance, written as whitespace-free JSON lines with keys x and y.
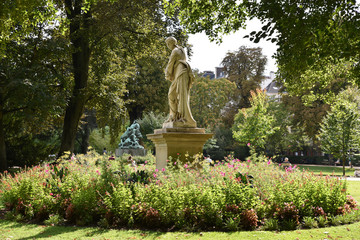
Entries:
{"x":208,"y":55}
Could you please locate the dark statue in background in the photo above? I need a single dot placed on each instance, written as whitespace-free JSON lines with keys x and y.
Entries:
{"x":130,"y":139}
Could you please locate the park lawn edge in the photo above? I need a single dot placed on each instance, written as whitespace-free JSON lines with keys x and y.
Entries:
{"x":15,"y":230}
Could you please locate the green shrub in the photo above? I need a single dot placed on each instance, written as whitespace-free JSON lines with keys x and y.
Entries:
{"x":54,"y":220}
{"x":322,"y":221}
{"x":309,"y":222}
{"x":89,"y":189}
{"x":271,"y":224}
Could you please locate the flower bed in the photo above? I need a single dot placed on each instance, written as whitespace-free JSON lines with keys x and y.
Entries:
{"x":231,"y":195}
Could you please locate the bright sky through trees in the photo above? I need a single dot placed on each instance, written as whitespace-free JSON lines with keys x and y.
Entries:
{"x":208,"y":55}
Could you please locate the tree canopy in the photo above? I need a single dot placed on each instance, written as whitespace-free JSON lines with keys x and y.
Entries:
{"x":306,"y":31}
{"x":340,"y":129}
{"x":245,"y":67}
{"x":254,"y":125}
{"x":98,"y":43}
{"x":208,"y":99}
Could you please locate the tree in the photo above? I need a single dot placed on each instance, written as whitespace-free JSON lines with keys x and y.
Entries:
{"x":254,"y":125}
{"x":310,"y":35}
{"x":245,"y":67}
{"x":24,"y":73}
{"x":340,"y":129}
{"x":319,"y":86}
{"x":289,"y":133}
{"x":33,"y":83}
{"x":148,"y":123}
{"x":306,"y":32}
{"x":148,"y":88}
{"x":208,"y":99}
{"x":307,"y":117}
{"x":128,"y":28}
{"x":19,"y":18}
{"x":212,"y":17}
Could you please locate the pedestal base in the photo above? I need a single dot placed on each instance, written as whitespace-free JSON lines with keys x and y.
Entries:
{"x":177,"y":142}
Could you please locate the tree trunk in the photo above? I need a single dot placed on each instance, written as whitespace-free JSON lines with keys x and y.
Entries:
{"x":135,"y":113}
{"x":79,"y":30}
{"x":88,"y":126}
{"x":3,"y":160}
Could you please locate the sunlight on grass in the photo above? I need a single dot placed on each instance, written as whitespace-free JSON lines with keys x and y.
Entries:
{"x":14,"y":230}
{"x":328,"y":170}
{"x":354,"y":189}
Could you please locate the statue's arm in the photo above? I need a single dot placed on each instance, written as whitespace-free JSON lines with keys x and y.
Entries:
{"x":169,"y":71}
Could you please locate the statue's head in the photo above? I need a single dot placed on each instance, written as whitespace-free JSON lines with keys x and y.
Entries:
{"x":170,"y":42}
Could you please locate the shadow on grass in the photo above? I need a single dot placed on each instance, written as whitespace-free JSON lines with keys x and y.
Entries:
{"x":48,"y":231}
{"x":58,"y":232}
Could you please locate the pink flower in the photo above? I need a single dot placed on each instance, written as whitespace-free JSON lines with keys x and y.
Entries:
{"x":145,"y":162}
{"x":185,"y":166}
{"x":269,"y":162}
{"x":154,"y":175}
{"x":249,"y":160}
{"x":174,"y":163}
{"x":51,"y":194}
{"x":163,"y":169}
{"x":248,"y":144}
{"x":156,"y":170}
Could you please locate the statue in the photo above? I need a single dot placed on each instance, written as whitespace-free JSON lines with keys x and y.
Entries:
{"x":130,"y":139}
{"x":178,"y":71}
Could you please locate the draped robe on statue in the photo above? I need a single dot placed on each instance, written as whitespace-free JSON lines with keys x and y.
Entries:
{"x":178,"y":71}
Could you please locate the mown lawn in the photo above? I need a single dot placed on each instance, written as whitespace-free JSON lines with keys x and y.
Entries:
{"x":14,"y":230}
{"x":354,"y":190}
{"x":328,"y":170}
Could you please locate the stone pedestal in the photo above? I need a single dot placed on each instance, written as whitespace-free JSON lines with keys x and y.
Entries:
{"x":132,"y":151}
{"x":176,"y":142}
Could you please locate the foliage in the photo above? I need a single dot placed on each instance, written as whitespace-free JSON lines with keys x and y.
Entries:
{"x":223,"y":144}
{"x":208,"y":98}
{"x":289,"y":134}
{"x":213,"y":17}
{"x":340,"y":128}
{"x":20,"y":18}
{"x":148,"y":124}
{"x":306,"y":118}
{"x":100,"y":139}
{"x":245,"y":67}
{"x":309,"y":34}
{"x":254,"y":125}
{"x":148,"y":89}
{"x":32,"y":95}
{"x":116,"y":194}
{"x":324,"y":80}
{"x":114,"y":40}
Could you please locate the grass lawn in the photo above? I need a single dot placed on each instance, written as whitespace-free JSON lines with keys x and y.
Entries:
{"x":14,"y":230}
{"x":328,"y":170}
{"x":354,"y":190}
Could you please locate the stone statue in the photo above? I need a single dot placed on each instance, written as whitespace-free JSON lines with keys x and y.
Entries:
{"x":178,"y":71}
{"x":130,"y":139}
